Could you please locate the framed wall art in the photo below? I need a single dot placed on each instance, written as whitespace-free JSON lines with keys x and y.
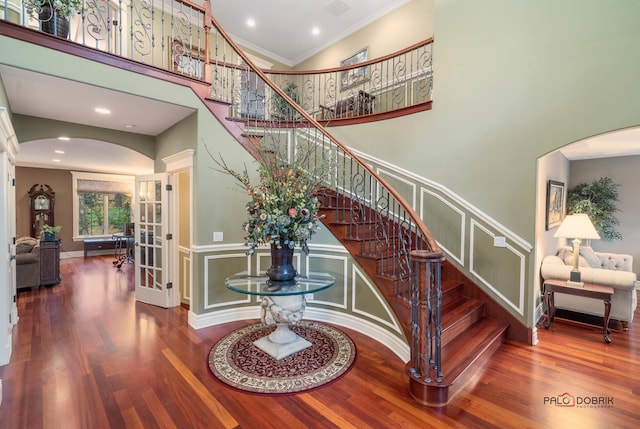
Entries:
{"x":354,"y":76}
{"x":555,"y":204}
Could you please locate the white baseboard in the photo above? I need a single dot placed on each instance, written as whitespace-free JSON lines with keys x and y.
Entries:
{"x":80,"y":253}
{"x":392,"y":342}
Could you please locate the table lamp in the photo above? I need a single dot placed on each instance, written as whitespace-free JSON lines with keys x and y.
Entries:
{"x":579,"y":227}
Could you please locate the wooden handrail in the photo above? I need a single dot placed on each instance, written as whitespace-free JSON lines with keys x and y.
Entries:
{"x":428,"y":237}
{"x":353,"y":66}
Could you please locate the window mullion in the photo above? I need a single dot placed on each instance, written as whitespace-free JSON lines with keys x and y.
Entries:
{"x":105,"y":217}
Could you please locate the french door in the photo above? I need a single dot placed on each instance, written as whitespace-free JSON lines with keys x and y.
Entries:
{"x":153,"y":285}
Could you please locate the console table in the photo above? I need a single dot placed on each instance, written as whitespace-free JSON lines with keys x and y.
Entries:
{"x":282,"y":303}
{"x":49,"y":262}
{"x":588,"y":290}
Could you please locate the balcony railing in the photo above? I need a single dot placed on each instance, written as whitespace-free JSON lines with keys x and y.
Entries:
{"x":393,"y":82}
{"x":167,"y":34}
{"x":176,"y":35}
{"x":278,"y":112}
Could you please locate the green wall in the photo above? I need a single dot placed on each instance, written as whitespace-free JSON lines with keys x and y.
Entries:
{"x":513,"y":81}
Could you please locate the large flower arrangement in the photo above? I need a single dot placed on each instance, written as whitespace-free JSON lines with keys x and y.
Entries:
{"x":283,"y":209}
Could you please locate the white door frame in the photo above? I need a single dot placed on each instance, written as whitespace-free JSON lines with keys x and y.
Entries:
{"x":181,"y":161}
{"x":8,"y":294}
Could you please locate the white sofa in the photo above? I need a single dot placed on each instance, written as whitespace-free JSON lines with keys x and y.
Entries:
{"x":610,"y":269}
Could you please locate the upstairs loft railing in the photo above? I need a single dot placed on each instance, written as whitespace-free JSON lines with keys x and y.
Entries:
{"x":397,"y":81}
{"x":182,"y":37}
{"x":393,"y":82}
{"x":168,"y":34}
{"x":176,"y":35}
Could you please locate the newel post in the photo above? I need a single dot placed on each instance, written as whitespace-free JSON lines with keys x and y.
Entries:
{"x":426,"y":327}
{"x":207,"y":32}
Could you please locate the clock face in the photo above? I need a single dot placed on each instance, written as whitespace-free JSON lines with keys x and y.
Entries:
{"x":41,"y":203}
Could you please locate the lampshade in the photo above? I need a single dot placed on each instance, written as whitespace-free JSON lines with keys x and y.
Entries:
{"x":577,"y":226}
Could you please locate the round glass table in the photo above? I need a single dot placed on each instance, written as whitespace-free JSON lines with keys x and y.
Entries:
{"x":282,"y":303}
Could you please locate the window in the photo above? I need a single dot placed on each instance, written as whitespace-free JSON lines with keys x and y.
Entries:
{"x":101,"y":205}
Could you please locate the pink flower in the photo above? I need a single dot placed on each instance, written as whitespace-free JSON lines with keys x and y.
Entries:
{"x":292,"y":212}
{"x":263,"y":216}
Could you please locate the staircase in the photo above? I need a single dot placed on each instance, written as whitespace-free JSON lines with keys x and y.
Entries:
{"x":450,"y":342}
{"x":468,"y":337}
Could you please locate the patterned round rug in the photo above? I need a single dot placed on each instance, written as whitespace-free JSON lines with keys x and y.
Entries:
{"x":237,"y":362}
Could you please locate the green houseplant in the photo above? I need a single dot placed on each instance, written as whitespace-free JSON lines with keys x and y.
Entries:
{"x":282,"y":108}
{"x":54,"y":14}
{"x":48,"y":232}
{"x":598,"y":200}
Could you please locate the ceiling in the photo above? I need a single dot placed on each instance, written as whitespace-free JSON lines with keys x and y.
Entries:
{"x":276,"y":20}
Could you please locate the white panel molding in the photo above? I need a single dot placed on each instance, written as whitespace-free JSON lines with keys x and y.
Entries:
{"x":411,"y":184}
{"x":459,"y":258}
{"x":345,"y":276}
{"x":208,"y":306}
{"x":456,"y":199}
{"x":186,"y":269}
{"x":397,"y":345}
{"x":357,"y":274}
{"x":519,"y":307}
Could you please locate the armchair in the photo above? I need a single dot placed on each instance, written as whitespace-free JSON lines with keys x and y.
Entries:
{"x":27,"y":263}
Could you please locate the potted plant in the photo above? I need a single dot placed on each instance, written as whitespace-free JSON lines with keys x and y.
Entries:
{"x":282,"y":108}
{"x":48,"y":232}
{"x":283,"y":207}
{"x":54,"y":14}
{"x":598,"y":200}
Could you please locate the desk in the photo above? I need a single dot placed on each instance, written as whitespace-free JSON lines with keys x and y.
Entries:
{"x":589,"y":290}
{"x":123,"y":248}
{"x":282,"y":303}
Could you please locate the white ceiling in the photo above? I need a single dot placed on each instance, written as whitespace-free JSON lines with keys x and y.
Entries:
{"x":44,"y":96}
{"x":41,"y":95}
{"x":618,"y":143}
{"x":283,"y":27}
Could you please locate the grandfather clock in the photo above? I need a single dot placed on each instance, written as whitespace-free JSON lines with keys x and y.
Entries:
{"x":41,"y":202}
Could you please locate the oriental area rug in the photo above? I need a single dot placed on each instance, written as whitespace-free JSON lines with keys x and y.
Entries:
{"x":237,"y":362}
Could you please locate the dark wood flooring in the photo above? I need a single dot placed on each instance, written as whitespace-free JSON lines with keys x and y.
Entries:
{"x":87,"y":355}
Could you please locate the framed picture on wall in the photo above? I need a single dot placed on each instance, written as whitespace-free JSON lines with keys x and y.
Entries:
{"x":555,"y":204}
{"x":353,"y":76}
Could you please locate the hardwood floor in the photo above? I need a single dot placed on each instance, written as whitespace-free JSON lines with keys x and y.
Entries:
{"x":86,"y":355}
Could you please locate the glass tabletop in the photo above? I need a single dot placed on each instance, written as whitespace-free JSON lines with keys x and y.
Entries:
{"x":261,"y":285}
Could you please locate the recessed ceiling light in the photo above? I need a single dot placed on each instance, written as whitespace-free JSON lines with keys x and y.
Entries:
{"x":102,"y":111}
{"x":59,"y":151}
{"x":251,"y":22}
{"x":64,"y":138}
{"x":315,"y":31}
{"x":129,"y":126}
{"x":55,"y":160}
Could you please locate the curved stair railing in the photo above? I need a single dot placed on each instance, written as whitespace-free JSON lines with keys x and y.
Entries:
{"x":374,"y":220}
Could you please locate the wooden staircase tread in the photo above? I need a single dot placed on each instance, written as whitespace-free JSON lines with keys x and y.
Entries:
{"x":460,"y":353}
{"x":453,"y":312}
